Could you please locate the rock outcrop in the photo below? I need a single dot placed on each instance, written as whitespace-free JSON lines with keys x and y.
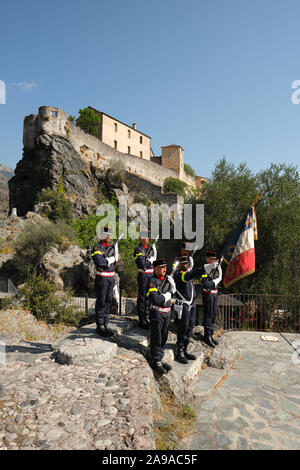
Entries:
{"x":51,"y":159}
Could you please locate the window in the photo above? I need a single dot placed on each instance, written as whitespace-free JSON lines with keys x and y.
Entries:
{"x":53,"y":113}
{"x":141,"y":139}
{"x":116,"y":127}
{"x":129,"y":134}
{"x":141,"y":154}
{"x":115,"y":144}
{"x":128,"y":150}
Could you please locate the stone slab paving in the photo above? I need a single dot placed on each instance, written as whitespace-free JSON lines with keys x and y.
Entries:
{"x":93,"y":406}
{"x":257,"y":404}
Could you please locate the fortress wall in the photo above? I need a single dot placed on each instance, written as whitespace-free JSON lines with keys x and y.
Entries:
{"x":53,"y":121}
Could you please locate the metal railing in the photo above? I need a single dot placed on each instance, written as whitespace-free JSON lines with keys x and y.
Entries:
{"x":262,"y":312}
{"x":84,"y":303}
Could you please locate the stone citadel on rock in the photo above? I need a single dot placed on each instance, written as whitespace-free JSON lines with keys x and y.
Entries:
{"x":55,"y":146}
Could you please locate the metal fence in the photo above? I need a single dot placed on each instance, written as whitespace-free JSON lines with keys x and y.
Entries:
{"x":84,"y":303}
{"x":262,"y":312}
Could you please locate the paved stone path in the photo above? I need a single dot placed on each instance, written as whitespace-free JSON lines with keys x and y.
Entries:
{"x":257,"y":404}
{"x":46,"y":405}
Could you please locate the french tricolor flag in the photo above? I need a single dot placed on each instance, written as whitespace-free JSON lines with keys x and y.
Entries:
{"x":239,"y":252}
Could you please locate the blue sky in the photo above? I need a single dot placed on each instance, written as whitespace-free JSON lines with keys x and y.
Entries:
{"x":213,"y":76}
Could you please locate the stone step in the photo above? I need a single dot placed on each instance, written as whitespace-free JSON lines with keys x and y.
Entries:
{"x":84,"y":345}
{"x":189,"y":372}
{"x":207,"y":381}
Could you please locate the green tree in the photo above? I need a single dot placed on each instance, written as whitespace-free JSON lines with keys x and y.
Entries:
{"x":227,"y":197}
{"x":89,"y":121}
{"x":189,"y":170}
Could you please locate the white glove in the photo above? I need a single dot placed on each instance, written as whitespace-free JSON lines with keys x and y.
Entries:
{"x":116,"y":252}
{"x":167,"y":296}
{"x":111,"y":260}
{"x":172,"y":284}
{"x":209,"y":267}
{"x":116,"y":294}
{"x":191,"y":263}
{"x":154,"y":256}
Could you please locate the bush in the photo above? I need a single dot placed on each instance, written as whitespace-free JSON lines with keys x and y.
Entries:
{"x":86,"y":230}
{"x":58,"y":207}
{"x":189,"y":170}
{"x":39,"y":296}
{"x":174,"y":185}
{"x":36,"y":240}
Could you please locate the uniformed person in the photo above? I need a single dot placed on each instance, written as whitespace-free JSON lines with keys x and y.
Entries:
{"x":186,"y":308}
{"x":160,"y":314}
{"x":144,"y":257}
{"x":185,"y":251}
{"x":210,"y":296}
{"x":104,"y":257}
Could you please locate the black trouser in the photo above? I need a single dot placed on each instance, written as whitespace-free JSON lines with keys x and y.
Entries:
{"x":186,"y":325}
{"x":142,"y":302}
{"x":159,"y":327}
{"x":210,"y":305}
{"x":104,"y":292}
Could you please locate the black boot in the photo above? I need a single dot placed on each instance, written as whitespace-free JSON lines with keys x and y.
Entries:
{"x":144,"y":324}
{"x":109,"y":332}
{"x":159,"y":368}
{"x":180,"y":357}
{"x":190,"y":357}
{"x":208,"y":340}
{"x":214,"y":341}
{"x":167,"y":366}
{"x":101,"y":331}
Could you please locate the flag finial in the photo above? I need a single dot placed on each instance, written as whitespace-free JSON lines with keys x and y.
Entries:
{"x":257,"y":198}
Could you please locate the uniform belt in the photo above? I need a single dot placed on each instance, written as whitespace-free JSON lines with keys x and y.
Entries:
{"x":214,"y":291}
{"x":105,"y":273}
{"x":161,"y":309}
{"x":146,"y":271}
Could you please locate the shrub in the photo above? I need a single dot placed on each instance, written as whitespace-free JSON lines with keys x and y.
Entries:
{"x":58,"y":207}
{"x":174,"y":185}
{"x":39,"y":296}
{"x":189,"y":170}
{"x":86,"y":230}
{"x":35,"y":241}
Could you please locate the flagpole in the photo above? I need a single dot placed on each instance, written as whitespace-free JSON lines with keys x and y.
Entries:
{"x":257,"y":198}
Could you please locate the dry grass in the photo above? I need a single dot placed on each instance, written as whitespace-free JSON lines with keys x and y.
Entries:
{"x":173,"y":424}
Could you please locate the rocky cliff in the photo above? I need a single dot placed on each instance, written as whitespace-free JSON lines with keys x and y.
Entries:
{"x":5,"y":174}
{"x":51,"y":159}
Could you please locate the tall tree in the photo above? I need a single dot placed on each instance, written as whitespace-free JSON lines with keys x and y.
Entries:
{"x":226,"y":198}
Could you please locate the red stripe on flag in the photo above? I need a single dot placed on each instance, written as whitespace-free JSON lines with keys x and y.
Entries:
{"x":240,"y":266}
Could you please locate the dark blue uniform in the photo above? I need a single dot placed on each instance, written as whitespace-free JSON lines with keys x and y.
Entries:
{"x":160,"y":317}
{"x":145,"y":268}
{"x":186,"y":288}
{"x":104,"y":282}
{"x":210,"y":302}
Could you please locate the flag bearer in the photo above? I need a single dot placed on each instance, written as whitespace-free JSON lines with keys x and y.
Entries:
{"x":210,"y":296}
